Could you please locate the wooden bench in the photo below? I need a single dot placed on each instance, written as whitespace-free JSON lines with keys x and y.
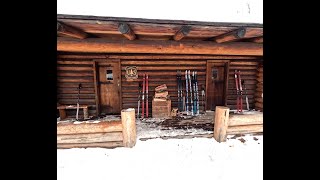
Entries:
{"x":62,"y":110}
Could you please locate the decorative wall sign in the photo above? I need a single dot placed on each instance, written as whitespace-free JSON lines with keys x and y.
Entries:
{"x":131,"y":72}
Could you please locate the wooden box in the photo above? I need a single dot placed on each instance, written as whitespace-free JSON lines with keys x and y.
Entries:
{"x":161,"y":109}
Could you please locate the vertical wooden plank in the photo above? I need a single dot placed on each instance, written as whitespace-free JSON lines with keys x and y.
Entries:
{"x":128,"y":127}
{"x":226,"y":82}
{"x":120,"y":79}
{"x":85,"y":113}
{"x":96,"y":88}
{"x":221,"y":122}
{"x":62,"y":113}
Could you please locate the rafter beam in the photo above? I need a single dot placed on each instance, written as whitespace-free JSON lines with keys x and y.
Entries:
{"x":257,"y":39}
{"x":98,"y":45}
{"x":230,"y":36}
{"x":182,"y":32}
{"x":70,"y":31}
{"x":125,"y":29}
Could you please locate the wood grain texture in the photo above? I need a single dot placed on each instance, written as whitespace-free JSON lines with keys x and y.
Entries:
{"x":221,"y":122}
{"x":129,"y":127}
{"x":96,"y":45}
{"x":90,"y":138}
{"x":84,"y":127}
{"x":91,"y":145}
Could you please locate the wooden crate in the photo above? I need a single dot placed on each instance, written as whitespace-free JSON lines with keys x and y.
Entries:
{"x":161,"y":109}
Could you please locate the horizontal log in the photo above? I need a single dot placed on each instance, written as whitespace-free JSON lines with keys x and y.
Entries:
{"x":75,"y":85}
{"x":176,"y":62}
{"x":245,"y":119}
{"x":243,"y":77}
{"x":89,"y":138}
{"x":74,"y":101}
{"x":84,"y":127}
{"x":61,"y":68}
{"x":91,"y":145}
{"x":74,"y":62}
{"x":75,"y":74}
{"x":74,"y":91}
{"x":232,"y":68}
{"x":161,"y":73}
{"x":244,"y":129}
{"x":247,"y":63}
{"x":245,"y":72}
{"x":153,"y":57}
{"x":97,"y":45}
{"x":75,"y":96}
{"x":79,"y":80}
{"x":167,"y":68}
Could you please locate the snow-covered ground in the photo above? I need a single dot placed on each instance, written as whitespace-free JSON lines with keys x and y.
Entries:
{"x":194,"y":158}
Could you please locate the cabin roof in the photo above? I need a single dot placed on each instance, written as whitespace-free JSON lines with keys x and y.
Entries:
{"x":118,"y":28}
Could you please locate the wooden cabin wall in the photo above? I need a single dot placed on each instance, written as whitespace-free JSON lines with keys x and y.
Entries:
{"x":248,"y":73}
{"x":160,"y":72}
{"x":71,"y":72}
{"x":78,"y":68}
{"x":258,"y":95}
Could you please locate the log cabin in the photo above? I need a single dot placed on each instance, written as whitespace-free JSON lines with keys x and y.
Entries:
{"x":98,"y":53}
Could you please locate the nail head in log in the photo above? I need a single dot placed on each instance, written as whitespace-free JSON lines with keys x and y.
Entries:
{"x":221,"y":122}
{"x":182,"y":32}
{"x":126,"y":31}
{"x":128,"y":127}
{"x":233,"y":35}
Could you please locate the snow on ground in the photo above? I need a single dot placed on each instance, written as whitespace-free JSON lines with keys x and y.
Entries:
{"x":194,"y":158}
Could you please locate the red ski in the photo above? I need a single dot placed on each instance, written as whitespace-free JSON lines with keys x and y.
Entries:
{"x":143,"y":88}
{"x":147,"y":99}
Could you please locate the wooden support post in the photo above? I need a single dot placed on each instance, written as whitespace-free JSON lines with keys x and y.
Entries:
{"x":126,"y":31}
{"x":128,"y":127}
{"x":183,"y":32}
{"x":221,"y":122}
{"x":233,"y":35}
{"x":85,"y":113}
{"x":62,"y":113}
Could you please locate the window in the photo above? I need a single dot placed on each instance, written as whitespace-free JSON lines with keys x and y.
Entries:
{"x":109,"y":75}
{"x":214,"y":73}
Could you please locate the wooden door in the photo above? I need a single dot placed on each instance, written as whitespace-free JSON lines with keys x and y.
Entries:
{"x":109,"y":85}
{"x":217,"y":81}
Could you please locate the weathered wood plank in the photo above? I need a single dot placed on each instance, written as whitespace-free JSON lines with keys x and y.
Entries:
{"x":89,"y":138}
{"x":88,"y":127}
{"x":245,"y":119}
{"x":91,"y":145}
{"x":221,"y":122}
{"x":128,"y":120}
{"x":245,"y":129}
{"x":96,"y":45}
